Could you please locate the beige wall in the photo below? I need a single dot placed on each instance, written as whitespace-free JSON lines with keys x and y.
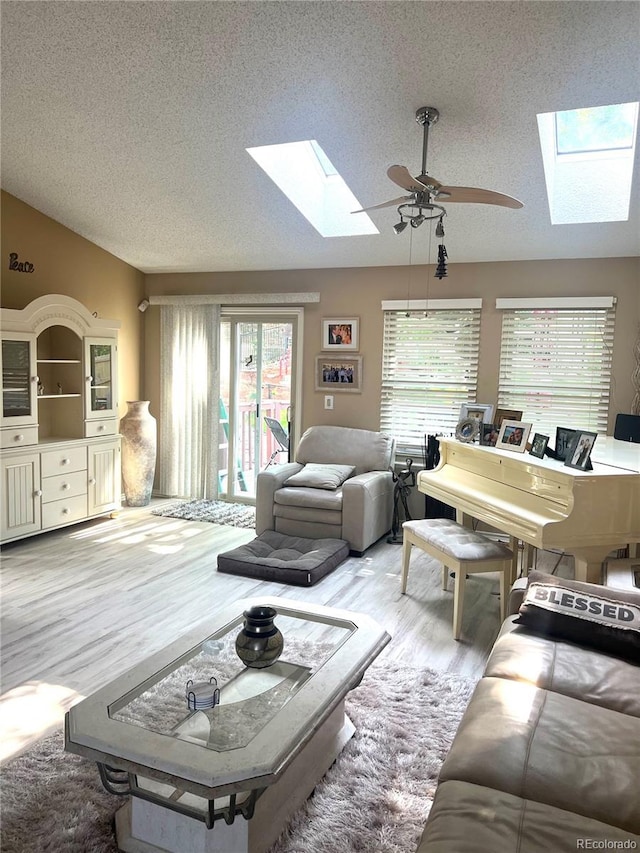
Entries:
{"x":67,"y":263}
{"x":359,"y":292}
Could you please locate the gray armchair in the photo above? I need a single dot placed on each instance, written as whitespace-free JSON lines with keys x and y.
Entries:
{"x":359,"y":510}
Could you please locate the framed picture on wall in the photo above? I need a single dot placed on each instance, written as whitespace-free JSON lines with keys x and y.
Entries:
{"x":340,"y":333}
{"x":338,"y":373}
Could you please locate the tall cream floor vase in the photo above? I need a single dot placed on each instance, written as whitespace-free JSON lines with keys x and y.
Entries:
{"x":139,"y":432}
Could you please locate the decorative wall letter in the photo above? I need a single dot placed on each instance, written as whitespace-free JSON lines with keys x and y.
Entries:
{"x":19,"y":266}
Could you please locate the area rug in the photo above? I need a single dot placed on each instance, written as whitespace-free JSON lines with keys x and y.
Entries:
{"x":375,"y":798}
{"x":217,"y":512}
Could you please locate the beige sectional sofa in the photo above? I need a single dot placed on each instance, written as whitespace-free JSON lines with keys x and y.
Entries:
{"x":547,"y":756}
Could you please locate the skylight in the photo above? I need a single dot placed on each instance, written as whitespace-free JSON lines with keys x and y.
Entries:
{"x":588,"y":162}
{"x":308,"y":178}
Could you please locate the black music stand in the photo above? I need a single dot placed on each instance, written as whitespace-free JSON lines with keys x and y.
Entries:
{"x":404,"y":481}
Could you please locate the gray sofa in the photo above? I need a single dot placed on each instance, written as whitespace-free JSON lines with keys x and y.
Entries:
{"x":547,"y":756}
{"x":359,"y":510}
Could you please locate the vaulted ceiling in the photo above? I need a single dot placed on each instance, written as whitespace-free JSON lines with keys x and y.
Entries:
{"x":128,"y":121}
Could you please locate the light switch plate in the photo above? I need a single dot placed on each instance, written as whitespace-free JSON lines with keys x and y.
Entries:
{"x":328,"y":401}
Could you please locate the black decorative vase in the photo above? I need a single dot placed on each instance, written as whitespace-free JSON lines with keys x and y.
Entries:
{"x":260,"y":643}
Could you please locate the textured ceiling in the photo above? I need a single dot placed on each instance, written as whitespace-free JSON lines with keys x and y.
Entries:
{"x":128,"y":122}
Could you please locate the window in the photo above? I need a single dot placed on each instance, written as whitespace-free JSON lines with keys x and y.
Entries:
{"x":555,"y":362}
{"x":308,"y":178}
{"x":588,"y":157}
{"x":429,"y":367}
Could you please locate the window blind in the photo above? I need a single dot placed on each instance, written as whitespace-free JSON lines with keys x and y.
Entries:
{"x":555,"y":366}
{"x":429,"y":368}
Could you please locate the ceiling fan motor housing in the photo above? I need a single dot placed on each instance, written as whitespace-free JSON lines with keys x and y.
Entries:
{"x":427,"y":115}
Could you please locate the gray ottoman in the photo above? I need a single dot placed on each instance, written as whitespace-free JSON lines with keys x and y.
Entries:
{"x":288,"y":559}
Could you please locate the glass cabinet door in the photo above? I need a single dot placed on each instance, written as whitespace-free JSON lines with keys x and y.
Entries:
{"x":100,"y":361}
{"x":18,"y":380}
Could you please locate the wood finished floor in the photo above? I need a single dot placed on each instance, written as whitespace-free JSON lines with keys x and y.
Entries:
{"x":82,"y":605}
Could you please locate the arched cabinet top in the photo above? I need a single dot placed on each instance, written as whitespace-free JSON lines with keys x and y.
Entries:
{"x":55,"y":309}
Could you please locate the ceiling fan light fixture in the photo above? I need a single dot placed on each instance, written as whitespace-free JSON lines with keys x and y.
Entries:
{"x":440,"y":228}
{"x":417,"y":221}
{"x":425,"y":189}
{"x":399,"y":228}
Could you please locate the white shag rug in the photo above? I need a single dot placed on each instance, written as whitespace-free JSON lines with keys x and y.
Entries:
{"x":217,"y":512}
{"x":375,"y":798}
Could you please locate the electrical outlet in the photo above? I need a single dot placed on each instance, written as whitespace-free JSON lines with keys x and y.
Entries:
{"x":328,"y":401}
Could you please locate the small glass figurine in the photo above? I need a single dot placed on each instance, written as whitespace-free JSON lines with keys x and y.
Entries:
{"x":59,"y":388}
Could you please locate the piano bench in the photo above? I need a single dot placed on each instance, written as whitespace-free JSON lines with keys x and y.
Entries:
{"x":460,"y":550}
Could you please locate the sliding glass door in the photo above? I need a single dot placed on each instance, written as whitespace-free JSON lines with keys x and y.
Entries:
{"x":257,"y":389}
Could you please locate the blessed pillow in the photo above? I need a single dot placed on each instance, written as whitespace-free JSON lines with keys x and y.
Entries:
{"x":316,"y":476}
{"x":584,"y":613}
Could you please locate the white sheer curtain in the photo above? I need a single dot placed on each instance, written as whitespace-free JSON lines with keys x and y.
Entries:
{"x":190,"y":390}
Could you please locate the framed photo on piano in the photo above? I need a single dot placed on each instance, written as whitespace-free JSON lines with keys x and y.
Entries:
{"x":488,"y":435}
{"x":563,"y":439}
{"x":478,"y":411}
{"x":506,"y":414}
{"x":539,"y":445}
{"x":513,"y":435}
{"x":579,"y":450}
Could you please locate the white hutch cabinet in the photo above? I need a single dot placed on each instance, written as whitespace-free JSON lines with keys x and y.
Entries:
{"x":59,"y":422}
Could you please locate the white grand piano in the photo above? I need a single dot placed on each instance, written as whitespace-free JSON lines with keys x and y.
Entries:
{"x":542,"y":502}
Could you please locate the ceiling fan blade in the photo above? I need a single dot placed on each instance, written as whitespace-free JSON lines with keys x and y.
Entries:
{"x":401,"y":176}
{"x":393,"y":203}
{"x":473,"y":195}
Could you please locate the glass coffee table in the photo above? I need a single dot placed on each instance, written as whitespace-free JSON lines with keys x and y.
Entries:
{"x":225,"y":779}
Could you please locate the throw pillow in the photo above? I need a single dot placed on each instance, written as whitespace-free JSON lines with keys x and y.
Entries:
{"x":315,"y":476}
{"x":584,"y":613}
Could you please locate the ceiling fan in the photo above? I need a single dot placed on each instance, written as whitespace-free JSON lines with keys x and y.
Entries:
{"x":424,"y":190}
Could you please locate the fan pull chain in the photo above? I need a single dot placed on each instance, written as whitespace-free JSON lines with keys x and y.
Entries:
{"x":426,"y":307}
{"x":408,"y":312}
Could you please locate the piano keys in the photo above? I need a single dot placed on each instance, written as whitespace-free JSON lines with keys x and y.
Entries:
{"x":543,"y":503}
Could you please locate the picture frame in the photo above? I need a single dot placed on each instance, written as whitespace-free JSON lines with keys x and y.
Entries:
{"x":539,"y":445}
{"x":488,"y":435}
{"x":339,"y":373}
{"x":579,"y":450}
{"x":479,"y":411}
{"x":468,"y":429}
{"x":508,"y":414}
{"x":513,"y":435}
{"x":341,"y":333}
{"x":563,"y":439}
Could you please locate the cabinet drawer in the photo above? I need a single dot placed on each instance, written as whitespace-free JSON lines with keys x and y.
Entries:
{"x":17,"y":437}
{"x":106,"y":426}
{"x":61,"y":512}
{"x":64,"y":460}
{"x":64,"y":486}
